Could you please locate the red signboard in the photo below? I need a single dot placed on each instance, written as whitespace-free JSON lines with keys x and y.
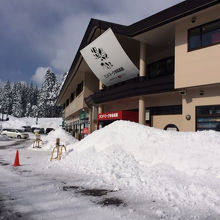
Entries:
{"x":85,"y":131}
{"x":110,"y":115}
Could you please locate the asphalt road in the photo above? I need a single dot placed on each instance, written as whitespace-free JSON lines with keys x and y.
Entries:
{"x":8,"y":144}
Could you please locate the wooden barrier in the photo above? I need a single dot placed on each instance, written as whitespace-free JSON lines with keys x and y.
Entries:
{"x":59,"y":148}
{"x":37,"y":141}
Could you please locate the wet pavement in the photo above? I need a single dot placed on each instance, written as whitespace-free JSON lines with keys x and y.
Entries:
{"x":14,"y":143}
{"x":101,"y":197}
{"x":103,"y":193}
{"x":6,"y":211}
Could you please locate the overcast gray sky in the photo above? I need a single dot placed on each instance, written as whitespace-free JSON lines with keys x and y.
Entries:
{"x":37,"y":34}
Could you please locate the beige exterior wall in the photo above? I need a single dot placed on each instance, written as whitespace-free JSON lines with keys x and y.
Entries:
{"x":75,"y":105}
{"x":193,"y":98}
{"x":160,"y":121}
{"x":91,"y":84}
{"x":78,"y":102}
{"x":198,"y":67}
{"x":78,"y":78}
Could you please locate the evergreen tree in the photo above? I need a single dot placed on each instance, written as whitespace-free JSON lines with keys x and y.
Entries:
{"x":24,"y":98}
{"x":31,"y":94}
{"x":6,"y":99}
{"x":1,"y":94}
{"x":28,"y":110}
{"x":34,"y":111}
{"x":34,"y":101}
{"x":17,"y":100}
{"x":48,"y":95}
{"x":29,"y":99}
{"x":35,"y":96}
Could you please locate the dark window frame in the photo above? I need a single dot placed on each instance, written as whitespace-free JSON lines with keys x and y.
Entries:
{"x":72,"y":96}
{"x":200,"y":27}
{"x":205,"y":115}
{"x":162,"y":62}
{"x":67,"y":102}
{"x":79,"y":89}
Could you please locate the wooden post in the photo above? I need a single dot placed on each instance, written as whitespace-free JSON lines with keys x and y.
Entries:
{"x":57,"y":142}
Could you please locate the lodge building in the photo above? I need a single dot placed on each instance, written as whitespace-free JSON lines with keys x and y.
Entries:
{"x":177,"y":86}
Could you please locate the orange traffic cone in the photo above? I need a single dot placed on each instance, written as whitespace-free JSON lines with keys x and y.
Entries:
{"x":16,"y":163}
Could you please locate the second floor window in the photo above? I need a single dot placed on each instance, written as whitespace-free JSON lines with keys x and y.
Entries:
{"x":162,"y":67}
{"x":204,"y":35}
{"x":79,"y":88}
{"x":72,"y":96}
{"x":67,"y":102}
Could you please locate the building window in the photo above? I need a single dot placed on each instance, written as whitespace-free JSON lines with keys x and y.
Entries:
{"x":67,"y":102}
{"x":204,"y":35}
{"x":162,"y":67}
{"x":79,"y":88}
{"x":208,"y":117}
{"x":72,"y":96}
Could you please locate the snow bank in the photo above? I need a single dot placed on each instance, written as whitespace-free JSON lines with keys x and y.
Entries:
{"x":127,"y":147}
{"x":179,"y":169}
{"x":13,"y":122}
{"x":42,"y":122}
{"x":4,"y":138}
{"x":50,"y":140}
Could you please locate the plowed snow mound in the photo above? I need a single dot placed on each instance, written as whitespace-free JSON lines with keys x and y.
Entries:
{"x":50,"y":140}
{"x":191,"y":152}
{"x":176,"y":170}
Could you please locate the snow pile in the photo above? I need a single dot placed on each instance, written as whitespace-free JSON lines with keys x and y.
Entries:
{"x":4,"y":138}
{"x":50,"y":140}
{"x":180,"y":170}
{"x":14,"y":122}
{"x":123,"y":141}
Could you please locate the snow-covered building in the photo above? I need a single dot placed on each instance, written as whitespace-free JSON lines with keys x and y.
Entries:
{"x":177,"y":85}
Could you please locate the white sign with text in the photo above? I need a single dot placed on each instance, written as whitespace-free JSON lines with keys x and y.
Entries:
{"x":107,"y":59}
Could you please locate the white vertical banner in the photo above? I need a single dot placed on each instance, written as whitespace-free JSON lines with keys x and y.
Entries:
{"x":107,"y":59}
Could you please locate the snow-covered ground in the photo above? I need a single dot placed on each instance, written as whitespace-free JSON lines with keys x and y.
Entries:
{"x":154,"y":174}
{"x":48,"y":141}
{"x":42,"y":122}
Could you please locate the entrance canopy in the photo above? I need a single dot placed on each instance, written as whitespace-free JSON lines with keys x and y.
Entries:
{"x":107,"y":59}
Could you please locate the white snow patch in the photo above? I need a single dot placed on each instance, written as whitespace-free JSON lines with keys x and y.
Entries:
{"x":17,"y":123}
{"x":49,"y":141}
{"x":4,"y":138}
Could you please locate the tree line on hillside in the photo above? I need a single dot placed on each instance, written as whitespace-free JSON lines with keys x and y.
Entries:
{"x":22,"y":100}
